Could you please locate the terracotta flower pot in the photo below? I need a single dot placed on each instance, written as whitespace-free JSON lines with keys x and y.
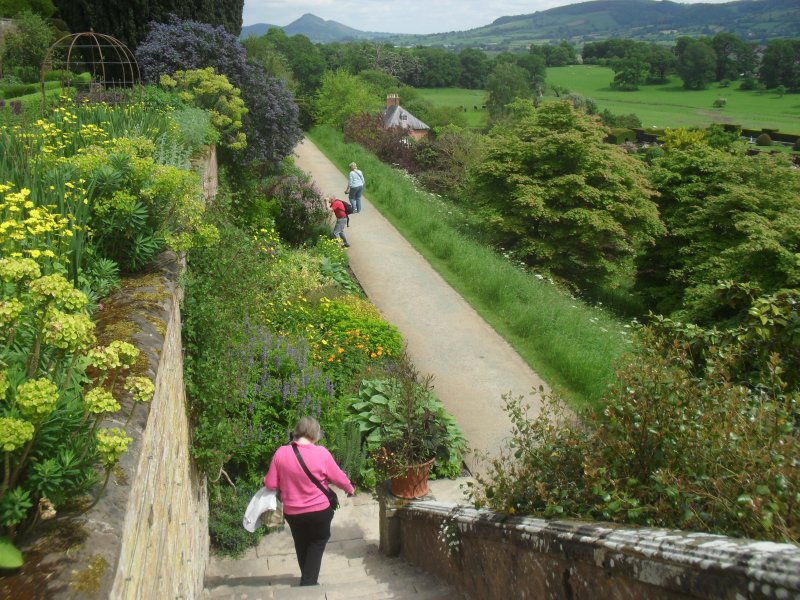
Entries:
{"x":414,"y":483}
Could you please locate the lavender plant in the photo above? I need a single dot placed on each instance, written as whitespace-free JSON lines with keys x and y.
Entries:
{"x":282,"y":386}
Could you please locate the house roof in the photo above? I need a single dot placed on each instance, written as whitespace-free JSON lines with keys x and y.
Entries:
{"x":397,"y":116}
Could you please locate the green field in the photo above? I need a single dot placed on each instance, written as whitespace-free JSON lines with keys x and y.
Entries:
{"x":456,"y":97}
{"x":665,"y":105}
{"x":669,"y":105}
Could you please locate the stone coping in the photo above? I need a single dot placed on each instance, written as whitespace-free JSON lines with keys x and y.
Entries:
{"x":667,"y":558}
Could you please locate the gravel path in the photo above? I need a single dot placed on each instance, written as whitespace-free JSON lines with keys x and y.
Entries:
{"x":472,"y":365}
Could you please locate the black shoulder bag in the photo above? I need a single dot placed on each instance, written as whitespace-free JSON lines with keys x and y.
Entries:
{"x":329,"y":493}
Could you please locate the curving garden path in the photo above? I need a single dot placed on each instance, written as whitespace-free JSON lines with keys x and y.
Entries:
{"x":472,"y":365}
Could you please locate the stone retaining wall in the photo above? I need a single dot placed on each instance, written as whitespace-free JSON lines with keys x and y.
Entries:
{"x":519,"y":557}
{"x":206,"y":165}
{"x":147,"y":537}
{"x":164,"y":549}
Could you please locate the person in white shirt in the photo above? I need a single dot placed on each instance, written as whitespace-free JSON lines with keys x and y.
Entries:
{"x":355,"y":187}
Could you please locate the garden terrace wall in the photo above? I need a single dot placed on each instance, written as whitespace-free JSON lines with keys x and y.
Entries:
{"x":207,"y":165}
{"x":147,"y":537}
{"x":523,"y":557}
{"x":164,"y":549}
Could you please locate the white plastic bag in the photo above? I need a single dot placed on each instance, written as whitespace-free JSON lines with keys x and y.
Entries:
{"x":263,"y":501}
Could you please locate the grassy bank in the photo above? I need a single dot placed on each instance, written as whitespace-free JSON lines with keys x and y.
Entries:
{"x":571,"y":345}
{"x":670,"y":105}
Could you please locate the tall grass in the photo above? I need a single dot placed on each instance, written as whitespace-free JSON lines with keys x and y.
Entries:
{"x":571,"y":345}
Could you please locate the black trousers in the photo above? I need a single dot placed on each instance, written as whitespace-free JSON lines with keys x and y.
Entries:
{"x":310,"y":532}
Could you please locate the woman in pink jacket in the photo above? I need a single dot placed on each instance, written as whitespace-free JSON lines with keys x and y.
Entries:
{"x":307,"y":509}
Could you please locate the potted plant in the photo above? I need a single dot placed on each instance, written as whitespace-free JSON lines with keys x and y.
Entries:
{"x":406,"y":431}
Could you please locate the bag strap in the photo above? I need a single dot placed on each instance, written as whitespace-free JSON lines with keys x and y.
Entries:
{"x":313,"y":479}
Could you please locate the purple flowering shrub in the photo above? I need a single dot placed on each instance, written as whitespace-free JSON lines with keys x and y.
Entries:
{"x":183,"y":45}
{"x":272,"y":123}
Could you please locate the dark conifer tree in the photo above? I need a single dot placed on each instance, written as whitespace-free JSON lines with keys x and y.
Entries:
{"x":128,"y":20}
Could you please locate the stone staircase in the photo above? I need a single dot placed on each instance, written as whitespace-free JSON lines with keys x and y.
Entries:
{"x":352,"y":567}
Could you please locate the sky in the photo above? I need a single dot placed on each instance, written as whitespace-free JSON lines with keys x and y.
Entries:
{"x":400,"y":16}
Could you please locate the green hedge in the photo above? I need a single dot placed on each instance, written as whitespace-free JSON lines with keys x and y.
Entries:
{"x":19,"y":89}
{"x":16,"y":90}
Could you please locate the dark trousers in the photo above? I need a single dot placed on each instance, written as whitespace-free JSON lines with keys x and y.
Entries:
{"x":310,"y":532}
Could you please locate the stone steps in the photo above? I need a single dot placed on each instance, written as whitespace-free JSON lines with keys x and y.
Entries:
{"x":352,"y":567}
{"x":402,"y":582}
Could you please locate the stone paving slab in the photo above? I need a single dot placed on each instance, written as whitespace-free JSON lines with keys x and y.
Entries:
{"x":401,"y":582}
{"x":352,"y":567}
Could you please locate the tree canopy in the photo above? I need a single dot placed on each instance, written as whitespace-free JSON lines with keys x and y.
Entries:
{"x":559,"y":198}
{"x":263,"y":51}
{"x":129,"y":20}
{"x":730,"y":217}
{"x":438,"y":68}
{"x":780,"y":64}
{"x":474,"y":68}
{"x":305,"y":58}
{"x":26,"y":45}
{"x":697,"y":62}
{"x":506,"y":83}
{"x":342,"y":96}
{"x":11,"y":8}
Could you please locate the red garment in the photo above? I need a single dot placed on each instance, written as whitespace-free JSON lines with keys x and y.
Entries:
{"x":298,"y":493}
{"x":337,"y":206}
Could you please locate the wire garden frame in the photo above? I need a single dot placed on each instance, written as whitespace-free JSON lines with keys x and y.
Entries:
{"x":110,"y":64}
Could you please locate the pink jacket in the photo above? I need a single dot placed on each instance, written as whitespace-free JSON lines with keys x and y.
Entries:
{"x":298,"y":493}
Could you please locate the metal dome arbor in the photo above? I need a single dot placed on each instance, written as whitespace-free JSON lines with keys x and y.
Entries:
{"x":109,"y":62}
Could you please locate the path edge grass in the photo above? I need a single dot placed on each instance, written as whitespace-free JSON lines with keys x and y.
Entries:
{"x":572,"y":346}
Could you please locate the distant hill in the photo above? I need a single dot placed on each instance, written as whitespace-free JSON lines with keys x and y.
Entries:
{"x":651,"y":20}
{"x":315,"y":29}
{"x":256,"y":30}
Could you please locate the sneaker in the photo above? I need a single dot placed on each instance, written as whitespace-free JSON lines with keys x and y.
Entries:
{"x":345,"y":245}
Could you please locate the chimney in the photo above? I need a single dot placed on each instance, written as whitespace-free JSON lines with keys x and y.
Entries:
{"x":392,"y":100}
